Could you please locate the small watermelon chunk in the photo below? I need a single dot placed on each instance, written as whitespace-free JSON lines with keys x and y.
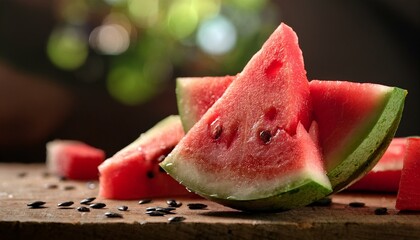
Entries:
{"x":386,"y":175}
{"x":408,"y":197}
{"x":134,"y":171}
{"x":251,"y":149}
{"x":74,"y":159}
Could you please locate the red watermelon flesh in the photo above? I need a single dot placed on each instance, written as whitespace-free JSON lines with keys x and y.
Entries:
{"x":248,"y":145}
{"x":386,"y":175}
{"x":74,"y":159}
{"x":408,"y":197}
{"x":134,"y":171}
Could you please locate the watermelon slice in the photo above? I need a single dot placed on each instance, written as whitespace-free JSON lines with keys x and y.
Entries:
{"x":386,"y":175}
{"x":74,"y":159}
{"x":251,"y":149}
{"x":408,"y":197}
{"x":134,"y":172}
{"x":356,"y":121}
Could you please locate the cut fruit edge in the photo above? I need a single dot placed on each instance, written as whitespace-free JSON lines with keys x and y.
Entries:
{"x":383,"y":131}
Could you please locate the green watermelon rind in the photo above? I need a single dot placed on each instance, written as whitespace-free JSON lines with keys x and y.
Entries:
{"x":375,"y":142}
{"x":188,"y":120}
{"x":299,"y":196}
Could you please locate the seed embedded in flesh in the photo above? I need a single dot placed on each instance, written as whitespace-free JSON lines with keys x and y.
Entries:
{"x":87,"y":200}
{"x":65,"y":204}
{"x":83,"y":209}
{"x":36,"y":204}
{"x":176,"y":219}
{"x":122,"y":208}
{"x":195,"y":206}
{"x":381,"y":211}
{"x":216,"y":129}
{"x":144,"y":201}
{"x":173,"y":203}
{"x":113,"y":215}
{"x":357,"y":204}
{"x":97,"y":205}
{"x":150,"y":174}
{"x":265,"y":136}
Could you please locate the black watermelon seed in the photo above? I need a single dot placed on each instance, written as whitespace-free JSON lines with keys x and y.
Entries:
{"x":36,"y":204}
{"x":83,"y":209}
{"x":155,"y":213}
{"x":97,"y":205}
{"x":176,"y":219}
{"x":65,"y":204}
{"x":357,"y":204}
{"x":173,"y":203}
{"x":196,"y":206}
{"x":51,"y":186}
{"x":381,"y":211}
{"x":87,"y":200}
{"x":122,"y":208}
{"x":66,"y":188}
{"x":144,"y":201}
{"x":22,"y":174}
{"x":150,"y":174}
{"x":167,"y":210}
{"x":322,"y":202}
{"x":151,"y":209}
{"x":113,"y":215}
{"x":265,"y":136}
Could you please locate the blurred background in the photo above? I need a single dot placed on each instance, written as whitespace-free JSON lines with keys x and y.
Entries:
{"x":103,"y":71}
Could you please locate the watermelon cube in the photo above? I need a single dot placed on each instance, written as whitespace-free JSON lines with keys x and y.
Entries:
{"x":408,"y":197}
{"x":74,"y":159}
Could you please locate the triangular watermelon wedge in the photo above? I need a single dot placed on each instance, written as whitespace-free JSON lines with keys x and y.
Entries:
{"x":251,"y":149}
{"x":357,"y":121}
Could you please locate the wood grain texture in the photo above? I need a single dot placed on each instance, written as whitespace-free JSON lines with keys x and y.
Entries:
{"x":21,"y":184}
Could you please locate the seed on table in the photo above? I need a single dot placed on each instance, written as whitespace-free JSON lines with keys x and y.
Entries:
{"x":62,"y":178}
{"x":173,"y":203}
{"x":97,"y":205}
{"x":65,"y":204}
{"x":381,"y":211}
{"x":195,"y":206}
{"x":83,"y":209}
{"x":357,"y":204}
{"x":45,"y":174}
{"x":87,"y":200}
{"x":51,"y":186}
{"x":66,"y":188}
{"x":166,"y":210}
{"x":176,"y":219}
{"x":144,"y":201}
{"x":113,"y":215}
{"x":122,"y":208}
{"x":22,"y":174}
{"x":155,"y":213}
{"x":36,"y":204}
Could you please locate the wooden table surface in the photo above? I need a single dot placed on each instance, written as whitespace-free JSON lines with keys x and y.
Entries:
{"x":24,"y":183}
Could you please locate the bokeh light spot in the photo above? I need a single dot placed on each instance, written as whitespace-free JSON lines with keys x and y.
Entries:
{"x":143,"y":12}
{"x":111,"y":39}
{"x":130,"y":86}
{"x":67,"y":48}
{"x":182,"y":19}
{"x":216,"y":36}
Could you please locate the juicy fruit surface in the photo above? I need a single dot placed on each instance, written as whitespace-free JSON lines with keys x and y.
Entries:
{"x":74,"y":159}
{"x":386,"y":175}
{"x":408,"y":197}
{"x":134,"y":171}
{"x":252,"y":143}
